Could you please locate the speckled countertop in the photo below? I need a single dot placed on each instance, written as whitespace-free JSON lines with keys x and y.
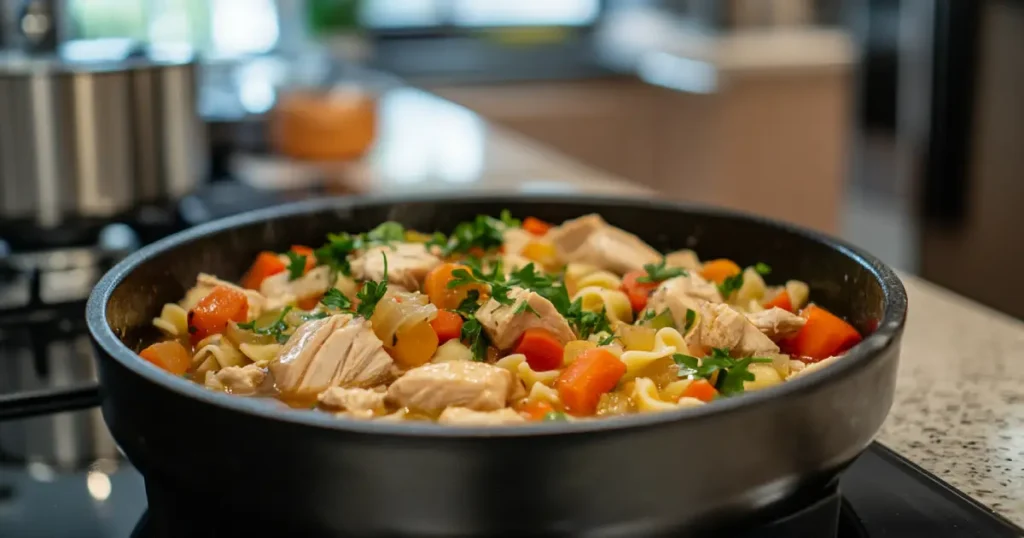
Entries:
{"x":959,"y":407}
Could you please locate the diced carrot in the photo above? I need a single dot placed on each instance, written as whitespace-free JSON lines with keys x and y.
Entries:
{"x":593,"y":373}
{"x":308,"y":253}
{"x":213,"y":312}
{"x":536,"y":226}
{"x":542,"y":348}
{"x":447,"y":325}
{"x":719,"y":270}
{"x":266,"y":264}
{"x":638,"y":292}
{"x":700,"y":389}
{"x":170,"y":356}
{"x":436,"y":286}
{"x":822,"y":336}
{"x":780,"y":301}
{"x":535,"y":410}
{"x":414,"y":345}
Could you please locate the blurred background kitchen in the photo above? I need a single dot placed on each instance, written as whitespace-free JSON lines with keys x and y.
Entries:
{"x":893,"y":123}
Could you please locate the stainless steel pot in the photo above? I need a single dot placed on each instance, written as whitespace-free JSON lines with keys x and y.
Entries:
{"x":95,"y":138}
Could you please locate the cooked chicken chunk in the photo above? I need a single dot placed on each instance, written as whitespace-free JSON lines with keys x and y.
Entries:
{"x":683,"y":293}
{"x":813,"y":367}
{"x":236,"y":379}
{"x":460,"y":416}
{"x":433,"y":387}
{"x":366,"y":402}
{"x":281,"y":291}
{"x":723,"y":327}
{"x":331,"y":352}
{"x":683,"y":259}
{"x":408,"y":264}
{"x":589,"y":239}
{"x":505,"y":323}
{"x":205,"y":284}
{"x":777,"y":323}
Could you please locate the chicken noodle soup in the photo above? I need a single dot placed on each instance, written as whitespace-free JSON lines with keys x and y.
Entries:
{"x":501,"y":322}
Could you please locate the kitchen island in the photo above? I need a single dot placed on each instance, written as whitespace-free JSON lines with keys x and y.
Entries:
{"x":959,"y":406}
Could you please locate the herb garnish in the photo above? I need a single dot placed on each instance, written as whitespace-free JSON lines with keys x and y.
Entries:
{"x":659,"y":273}
{"x":762,"y":268}
{"x":691,"y":316}
{"x":483,"y":232}
{"x":555,"y":416}
{"x":341,"y":245}
{"x":607,"y":340}
{"x":586,"y":323}
{"x":372,"y":293}
{"x":732,"y":372}
{"x":276,"y":329}
{"x":296,"y":265}
{"x":334,"y":298}
{"x":472,"y":332}
{"x":730,"y":284}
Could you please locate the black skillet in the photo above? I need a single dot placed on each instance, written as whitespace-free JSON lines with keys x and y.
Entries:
{"x":254,"y":467}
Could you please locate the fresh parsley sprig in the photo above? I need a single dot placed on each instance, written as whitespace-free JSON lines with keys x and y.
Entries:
{"x":277,"y":329}
{"x":340,"y":246}
{"x":334,"y":298}
{"x":658,"y":272}
{"x":483,"y":232}
{"x":372,"y":293}
{"x":735,"y":282}
{"x":296,"y":265}
{"x":731,"y":372}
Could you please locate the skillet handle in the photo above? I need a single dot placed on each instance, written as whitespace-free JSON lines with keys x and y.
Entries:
{"x":47,"y":401}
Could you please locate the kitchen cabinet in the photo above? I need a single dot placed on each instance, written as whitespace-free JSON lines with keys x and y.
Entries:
{"x":766,"y":141}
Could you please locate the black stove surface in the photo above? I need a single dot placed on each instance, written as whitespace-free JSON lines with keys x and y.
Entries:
{"x":880,"y":495}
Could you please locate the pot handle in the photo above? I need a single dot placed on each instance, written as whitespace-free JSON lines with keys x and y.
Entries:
{"x":47,"y":401}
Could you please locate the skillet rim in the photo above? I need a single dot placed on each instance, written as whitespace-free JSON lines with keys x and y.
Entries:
{"x":861,"y":356}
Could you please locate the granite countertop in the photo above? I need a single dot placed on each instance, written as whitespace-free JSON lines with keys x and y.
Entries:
{"x":959,"y":406}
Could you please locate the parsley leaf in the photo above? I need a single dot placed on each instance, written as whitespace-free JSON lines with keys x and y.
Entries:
{"x":384,"y":234}
{"x":586,"y":323}
{"x":276,"y":329}
{"x":372,"y":293}
{"x":472,"y":333}
{"x":648,"y":315}
{"x":731,"y":372}
{"x":525,"y":307}
{"x":336,"y":252}
{"x":483,"y":232}
{"x":691,"y":316}
{"x":659,"y":273}
{"x":763,"y":268}
{"x":468,"y":307}
{"x":296,"y":265}
{"x":730,"y":284}
{"x":608,"y":340}
{"x":334,"y":298}
{"x":555,"y":416}
{"x":310,"y":316}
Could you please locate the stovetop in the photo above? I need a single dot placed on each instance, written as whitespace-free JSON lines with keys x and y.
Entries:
{"x":62,"y":475}
{"x":880,"y":495}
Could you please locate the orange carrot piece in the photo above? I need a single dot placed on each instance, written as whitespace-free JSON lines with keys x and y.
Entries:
{"x":700,"y":389}
{"x":213,"y":312}
{"x":266,"y":264}
{"x":719,"y":270}
{"x":823,"y":336}
{"x":308,"y":253}
{"x":536,"y":226}
{"x":542,"y":348}
{"x":535,"y":410}
{"x":638,"y":292}
{"x":435,"y":286}
{"x":780,"y":301}
{"x":593,"y":373}
{"x":170,"y":356}
{"x":447,"y":325}
{"x":309,"y":303}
